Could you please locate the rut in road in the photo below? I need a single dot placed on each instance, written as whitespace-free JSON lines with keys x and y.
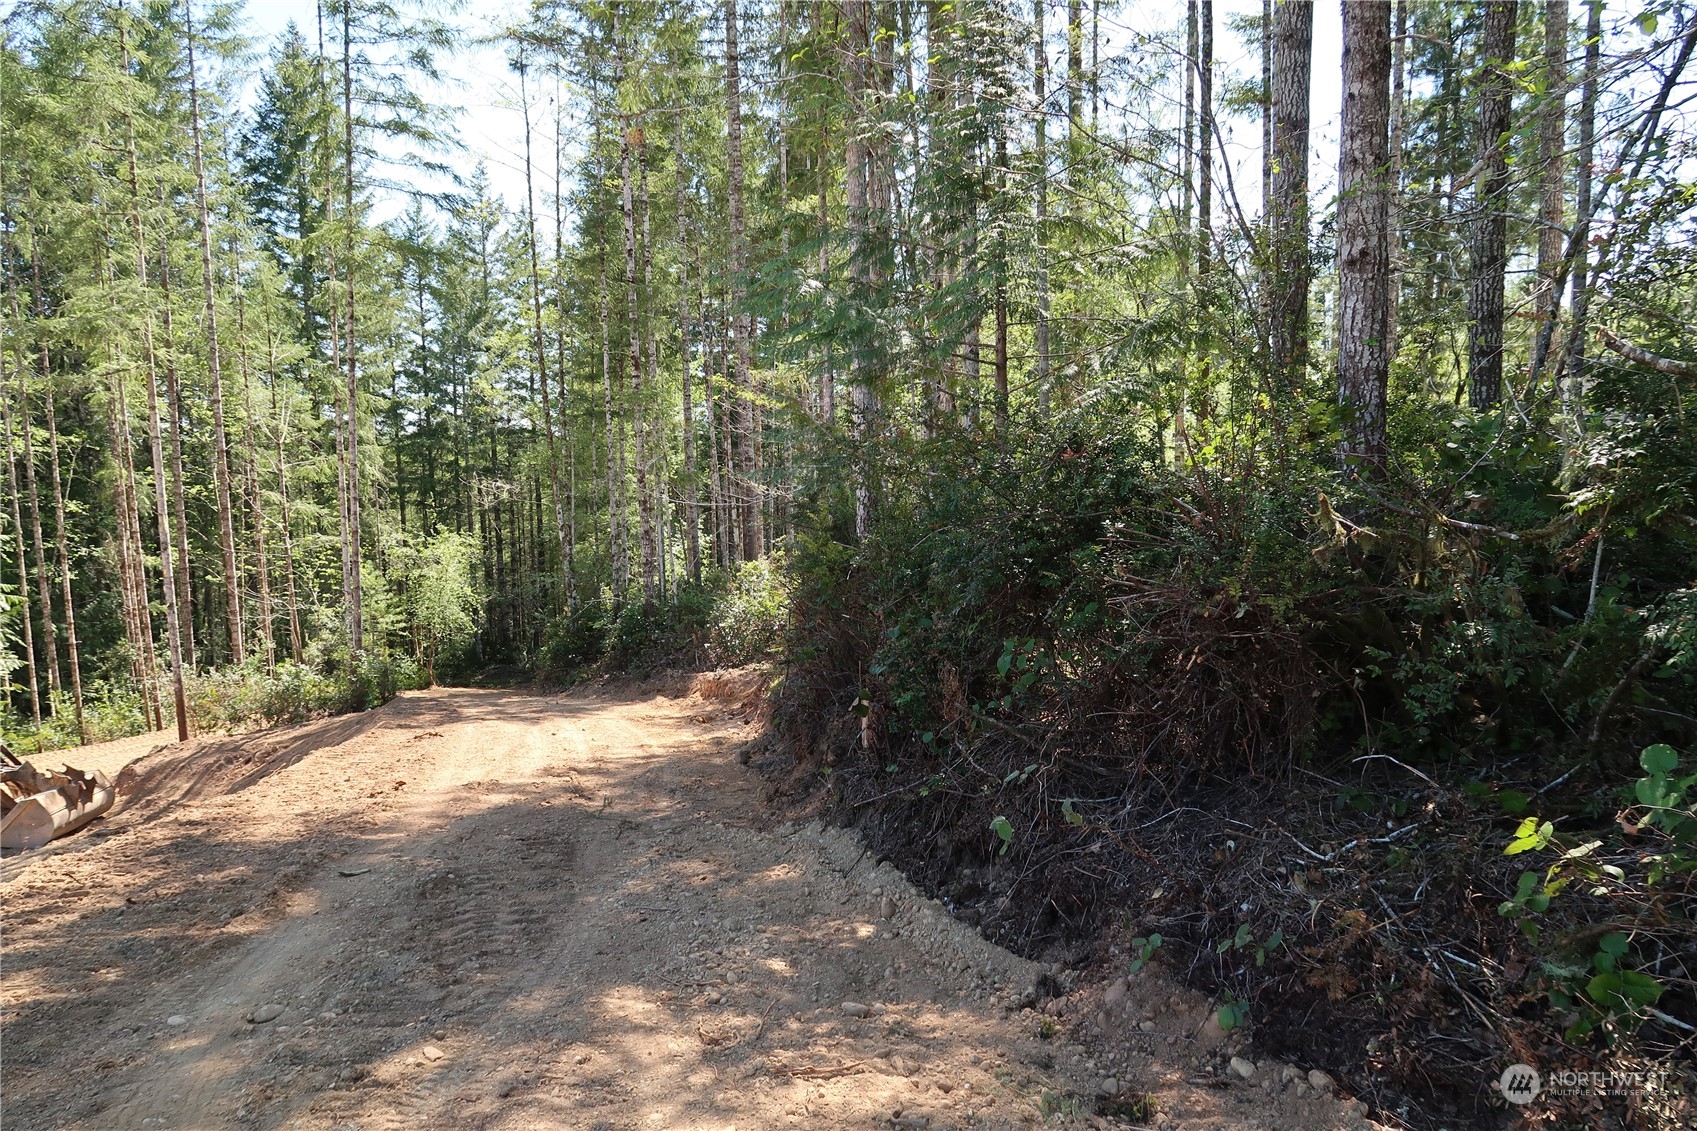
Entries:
{"x":495,"y":909}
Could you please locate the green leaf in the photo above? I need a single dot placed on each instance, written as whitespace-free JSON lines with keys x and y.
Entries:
{"x":1659,"y":759}
{"x":1623,"y":991}
{"x":1529,"y":835}
{"x":1003,"y":828}
{"x":1073,"y":816}
{"x":1654,"y":791}
{"x":1647,"y":22}
{"x":1513,"y":801}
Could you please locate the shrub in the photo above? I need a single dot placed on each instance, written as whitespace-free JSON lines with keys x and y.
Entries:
{"x":753,"y":616}
{"x":241,"y":698}
{"x":575,"y":640}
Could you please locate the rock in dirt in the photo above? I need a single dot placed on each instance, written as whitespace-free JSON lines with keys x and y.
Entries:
{"x":265,"y":1014}
{"x":176,"y":1020}
{"x":1244,"y":1068}
{"x":855,"y":1009}
{"x":1108,"y":1087}
{"x":431,"y":1053}
{"x":352,"y":871}
{"x":1319,"y":1081}
{"x":887,"y":908}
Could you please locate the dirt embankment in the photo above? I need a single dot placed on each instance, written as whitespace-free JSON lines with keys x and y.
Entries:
{"x":491,"y":909}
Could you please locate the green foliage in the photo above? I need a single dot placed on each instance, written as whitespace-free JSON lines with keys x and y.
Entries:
{"x":751,"y":618}
{"x":439,"y":594}
{"x":1232,"y":1015}
{"x":111,"y":709}
{"x":576,"y":640}
{"x":236,"y":699}
{"x":1245,"y":939}
{"x":1143,"y":949}
{"x":1606,"y":987}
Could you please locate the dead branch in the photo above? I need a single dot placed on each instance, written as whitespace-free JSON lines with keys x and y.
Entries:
{"x":1671,"y":366}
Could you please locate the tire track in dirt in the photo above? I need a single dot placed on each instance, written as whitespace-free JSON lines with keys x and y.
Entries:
{"x":484,"y":909}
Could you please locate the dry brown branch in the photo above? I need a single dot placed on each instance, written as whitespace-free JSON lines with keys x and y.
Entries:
{"x":1673,"y":367}
{"x":815,"y":1071}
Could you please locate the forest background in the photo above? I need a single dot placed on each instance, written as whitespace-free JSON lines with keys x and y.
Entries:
{"x":1017,"y":374}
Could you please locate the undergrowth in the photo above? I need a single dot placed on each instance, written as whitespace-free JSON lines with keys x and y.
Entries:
{"x":1289,"y":722}
{"x":229,"y":699}
{"x":732,"y":617}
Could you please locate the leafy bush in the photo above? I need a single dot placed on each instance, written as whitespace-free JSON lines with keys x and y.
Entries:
{"x":240,"y":698}
{"x":1634,"y":877}
{"x":752,"y":617}
{"x":577,"y":639}
{"x":111,"y":709}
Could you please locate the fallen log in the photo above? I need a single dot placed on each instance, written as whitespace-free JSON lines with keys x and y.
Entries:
{"x":37,"y":805}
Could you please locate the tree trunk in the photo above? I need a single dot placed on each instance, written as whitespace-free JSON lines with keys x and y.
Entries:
{"x":1293,"y":51}
{"x":857,"y":176}
{"x":50,"y":637}
{"x":1205,"y":142}
{"x":615,"y":542}
{"x":1187,"y":158}
{"x":1364,"y":268}
{"x":747,"y":417}
{"x":132,"y":578}
{"x":283,"y":519}
{"x":18,"y":541}
{"x":692,"y":514}
{"x":1040,"y":71}
{"x":1266,"y":45}
{"x":569,"y":549}
{"x":941,"y":233}
{"x":61,"y":533}
{"x":633,"y":324}
{"x":1075,"y":81}
{"x":161,"y":512}
{"x":1573,"y":366}
{"x":1000,"y":271}
{"x":179,"y":415}
{"x":1488,"y":242}
{"x":711,"y":375}
{"x":220,"y":441}
{"x":549,"y":438}
{"x":355,"y":595}
{"x":728,"y":495}
{"x":256,"y":502}
{"x":655,"y":427}
{"x":1552,"y":145}
{"x":1393,"y":224}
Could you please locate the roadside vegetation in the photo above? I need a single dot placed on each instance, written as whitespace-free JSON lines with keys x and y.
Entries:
{"x":1174,"y":538}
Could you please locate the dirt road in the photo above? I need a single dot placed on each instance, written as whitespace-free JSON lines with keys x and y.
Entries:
{"x":490,"y":909}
